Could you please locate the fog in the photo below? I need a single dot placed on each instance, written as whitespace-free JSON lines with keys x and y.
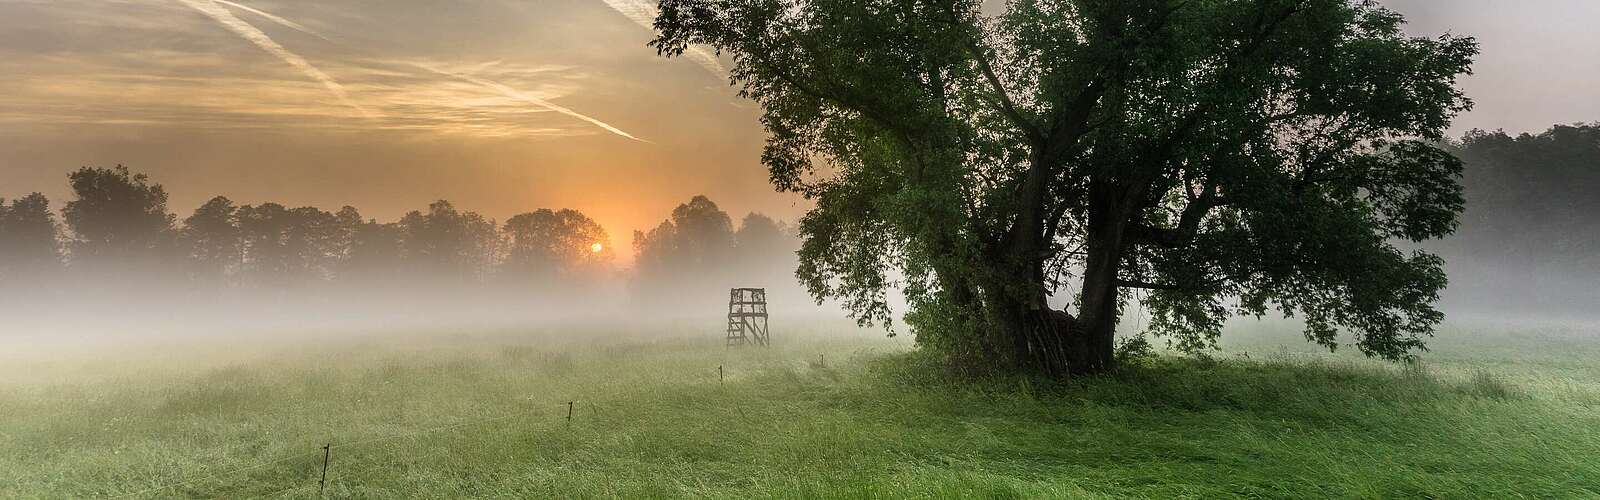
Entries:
{"x":115,"y":262}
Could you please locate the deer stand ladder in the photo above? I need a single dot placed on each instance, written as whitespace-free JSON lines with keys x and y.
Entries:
{"x":747,"y":316}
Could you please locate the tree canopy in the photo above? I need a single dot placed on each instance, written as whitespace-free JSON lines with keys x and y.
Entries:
{"x":30,"y":238}
{"x":549,"y":245}
{"x":1228,"y":156}
{"x":117,"y":217}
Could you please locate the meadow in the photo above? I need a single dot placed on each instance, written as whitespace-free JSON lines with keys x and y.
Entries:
{"x":833,"y":412}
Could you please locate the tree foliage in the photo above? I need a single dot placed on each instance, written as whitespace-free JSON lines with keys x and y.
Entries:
{"x":691,"y":259}
{"x":214,"y":241}
{"x":1229,"y":156}
{"x":30,"y":239}
{"x":445,"y":242}
{"x":117,"y":216}
{"x":545,"y":246}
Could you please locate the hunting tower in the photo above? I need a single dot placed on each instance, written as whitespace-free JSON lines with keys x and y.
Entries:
{"x":747,"y":316}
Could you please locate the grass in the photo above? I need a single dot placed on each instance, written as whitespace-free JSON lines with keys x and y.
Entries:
{"x":848,"y":414}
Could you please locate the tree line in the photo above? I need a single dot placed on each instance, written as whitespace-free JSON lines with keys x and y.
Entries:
{"x":1529,"y":238}
{"x":118,"y":228}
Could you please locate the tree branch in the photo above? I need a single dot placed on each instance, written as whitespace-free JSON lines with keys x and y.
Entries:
{"x":1006,"y":105}
{"x":1147,"y":285}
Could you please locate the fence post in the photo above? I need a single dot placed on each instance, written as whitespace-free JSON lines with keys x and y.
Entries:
{"x":569,"y":414}
{"x":323,"y":483}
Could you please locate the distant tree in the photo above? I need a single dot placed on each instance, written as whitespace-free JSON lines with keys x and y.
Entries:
{"x":764,"y":256}
{"x":1228,"y":156}
{"x":655,"y":253}
{"x":214,"y":241}
{"x":375,"y":253}
{"x":696,"y":244}
{"x":30,"y":239}
{"x":1530,"y":217}
{"x":761,"y":239}
{"x":448,"y":244}
{"x":347,"y":223}
{"x":287,"y":246}
{"x":547,"y":245}
{"x":117,"y":218}
{"x":704,"y":233}
{"x":1533,"y":195}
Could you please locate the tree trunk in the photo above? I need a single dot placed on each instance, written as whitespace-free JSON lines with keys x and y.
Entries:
{"x":1107,"y":240}
{"x":1053,"y":342}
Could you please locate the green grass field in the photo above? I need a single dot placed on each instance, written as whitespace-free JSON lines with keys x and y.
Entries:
{"x":837,"y":413}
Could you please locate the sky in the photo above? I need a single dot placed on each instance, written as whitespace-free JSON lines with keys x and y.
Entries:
{"x":505,"y":106}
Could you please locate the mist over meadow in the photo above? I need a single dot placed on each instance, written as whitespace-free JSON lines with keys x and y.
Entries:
{"x":116,"y":260}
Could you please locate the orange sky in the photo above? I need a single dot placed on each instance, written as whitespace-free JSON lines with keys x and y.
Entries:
{"x":501,"y":106}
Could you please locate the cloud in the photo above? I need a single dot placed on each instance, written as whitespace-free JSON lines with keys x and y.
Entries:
{"x":245,"y":30}
{"x":643,"y":13}
{"x":519,"y":95}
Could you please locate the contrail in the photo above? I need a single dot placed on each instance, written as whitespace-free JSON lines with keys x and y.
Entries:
{"x":643,"y":13}
{"x":211,"y":8}
{"x":248,"y":32}
{"x":519,"y":95}
{"x":270,"y":17}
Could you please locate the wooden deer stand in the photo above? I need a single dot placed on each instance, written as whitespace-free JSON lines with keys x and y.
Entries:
{"x":747,"y":316}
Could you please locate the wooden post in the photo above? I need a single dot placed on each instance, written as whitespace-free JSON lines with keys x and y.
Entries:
{"x":326,"y":452}
{"x":569,"y":413}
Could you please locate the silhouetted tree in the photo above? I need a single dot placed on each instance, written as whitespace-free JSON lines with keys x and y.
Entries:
{"x":1227,"y":156}
{"x":760,"y":238}
{"x":347,"y":223}
{"x":704,"y":232}
{"x":214,"y":241}
{"x":375,"y":254}
{"x":1529,"y":235}
{"x":695,"y":245}
{"x":548,"y":245}
{"x":765,"y":255}
{"x":287,"y":246}
{"x":448,"y":244}
{"x":30,"y":240}
{"x":117,"y":219}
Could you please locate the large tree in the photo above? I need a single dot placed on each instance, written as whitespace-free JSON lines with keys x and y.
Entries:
{"x":1226,"y":155}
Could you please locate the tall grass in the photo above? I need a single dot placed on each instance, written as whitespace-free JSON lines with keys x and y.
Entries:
{"x":832,"y":416}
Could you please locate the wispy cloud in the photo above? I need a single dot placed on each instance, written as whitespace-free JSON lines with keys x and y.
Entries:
{"x":467,"y":77}
{"x":521,"y":96}
{"x":643,"y":13}
{"x":274,"y":18}
{"x":249,"y":32}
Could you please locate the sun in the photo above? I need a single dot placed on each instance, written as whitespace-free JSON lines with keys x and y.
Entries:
{"x":596,"y":248}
